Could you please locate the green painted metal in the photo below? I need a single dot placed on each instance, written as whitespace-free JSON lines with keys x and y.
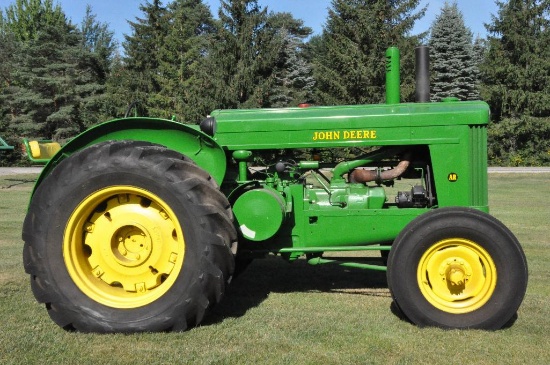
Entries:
{"x":336,"y":249}
{"x":308,"y":165}
{"x":4,"y":146}
{"x":242,"y":157}
{"x":355,"y":265}
{"x":335,"y":213}
{"x":298,"y":206}
{"x":393,"y":78}
{"x":348,"y":126}
{"x":176,"y":136}
{"x":259,"y":213}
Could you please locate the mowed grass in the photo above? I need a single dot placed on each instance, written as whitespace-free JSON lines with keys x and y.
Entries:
{"x":280,"y":313}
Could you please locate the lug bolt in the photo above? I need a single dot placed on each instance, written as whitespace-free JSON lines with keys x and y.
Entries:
{"x":89,"y":227}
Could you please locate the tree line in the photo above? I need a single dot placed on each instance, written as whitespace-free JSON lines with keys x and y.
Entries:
{"x":181,"y":62}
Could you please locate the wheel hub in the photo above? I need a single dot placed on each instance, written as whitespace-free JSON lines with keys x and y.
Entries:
{"x":457,"y":275}
{"x":455,"y":271}
{"x":123,"y":247}
{"x":131,"y":245}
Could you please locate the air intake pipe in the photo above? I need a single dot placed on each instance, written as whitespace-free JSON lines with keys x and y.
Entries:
{"x":393,"y":77}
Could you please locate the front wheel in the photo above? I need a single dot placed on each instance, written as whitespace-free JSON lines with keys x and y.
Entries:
{"x":128,"y":236}
{"x":457,"y":268}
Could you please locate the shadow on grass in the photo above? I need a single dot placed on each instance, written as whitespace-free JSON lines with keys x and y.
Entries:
{"x":274,"y":275}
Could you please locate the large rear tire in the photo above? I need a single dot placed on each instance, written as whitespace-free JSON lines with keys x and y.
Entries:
{"x":128,"y":237}
{"x":457,"y":268}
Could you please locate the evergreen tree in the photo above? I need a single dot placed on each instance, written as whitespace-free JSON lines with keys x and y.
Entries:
{"x":517,"y":68}
{"x":183,"y":87}
{"x":8,"y":48}
{"x":25,"y":18}
{"x":292,"y":77}
{"x":516,"y":78}
{"x":349,"y":62}
{"x":98,"y":39}
{"x":480,"y":51}
{"x":454,"y":71}
{"x":119,"y":96}
{"x":242,"y":55}
{"x":141,"y":81}
{"x":52,"y":83}
{"x":100,"y":49}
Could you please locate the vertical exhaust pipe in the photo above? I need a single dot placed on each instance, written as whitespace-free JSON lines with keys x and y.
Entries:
{"x":422,"y":74}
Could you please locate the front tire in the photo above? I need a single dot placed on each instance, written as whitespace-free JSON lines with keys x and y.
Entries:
{"x":457,"y":268}
{"x":128,"y":237}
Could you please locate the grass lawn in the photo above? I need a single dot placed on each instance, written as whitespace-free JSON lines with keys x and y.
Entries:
{"x":280,"y":313}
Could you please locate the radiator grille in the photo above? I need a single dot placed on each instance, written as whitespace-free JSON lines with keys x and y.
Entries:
{"x":478,"y":166}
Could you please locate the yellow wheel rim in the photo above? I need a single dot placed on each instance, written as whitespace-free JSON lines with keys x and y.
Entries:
{"x":457,"y":275}
{"x":123,"y":247}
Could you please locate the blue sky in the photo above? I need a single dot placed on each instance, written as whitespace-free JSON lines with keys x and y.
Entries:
{"x":312,"y":12}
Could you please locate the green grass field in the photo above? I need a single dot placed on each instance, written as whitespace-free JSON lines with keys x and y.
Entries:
{"x":280,"y":313}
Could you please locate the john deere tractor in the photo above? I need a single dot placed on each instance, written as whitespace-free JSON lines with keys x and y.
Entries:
{"x":139,"y":224}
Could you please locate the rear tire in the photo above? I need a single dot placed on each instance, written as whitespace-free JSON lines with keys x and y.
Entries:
{"x":128,"y":237}
{"x":457,"y":268}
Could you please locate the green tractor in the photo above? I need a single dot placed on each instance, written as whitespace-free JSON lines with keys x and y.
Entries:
{"x":139,"y":224}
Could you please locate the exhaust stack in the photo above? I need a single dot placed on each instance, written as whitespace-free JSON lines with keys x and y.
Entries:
{"x":422,"y":74}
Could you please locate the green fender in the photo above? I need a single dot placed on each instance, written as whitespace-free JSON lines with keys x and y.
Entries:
{"x":202,"y":149}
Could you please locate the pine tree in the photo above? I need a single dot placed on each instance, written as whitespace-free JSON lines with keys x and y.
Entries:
{"x":517,"y":68}
{"x":53,"y":86}
{"x":516,"y":77}
{"x":98,"y":39}
{"x":242,"y":55}
{"x":183,"y":87}
{"x":480,"y":51}
{"x":99,"y":50}
{"x":8,"y":48}
{"x":292,"y":77}
{"x":454,"y":72}
{"x":140,"y":78}
{"x":349,"y":58}
{"x":119,"y":96}
{"x":26,"y":18}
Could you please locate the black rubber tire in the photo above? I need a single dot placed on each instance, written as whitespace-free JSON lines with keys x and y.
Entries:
{"x":465,"y":225}
{"x":202,"y":211}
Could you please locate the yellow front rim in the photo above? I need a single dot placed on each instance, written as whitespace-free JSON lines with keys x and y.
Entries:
{"x":457,"y":275}
{"x":123,"y":247}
